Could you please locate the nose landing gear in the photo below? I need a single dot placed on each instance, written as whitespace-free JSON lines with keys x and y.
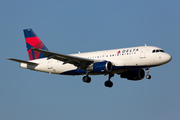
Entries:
{"x":148,"y":76}
{"x":147,"y":72}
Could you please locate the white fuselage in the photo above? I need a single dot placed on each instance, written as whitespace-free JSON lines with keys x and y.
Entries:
{"x":134,"y":57}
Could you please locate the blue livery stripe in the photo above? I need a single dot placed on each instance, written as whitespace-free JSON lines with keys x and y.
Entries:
{"x":29,"y":33}
{"x":42,"y":55}
{"x":74,"y":72}
{"x":28,"y":46}
{"x":33,"y":55}
{"x":81,"y":72}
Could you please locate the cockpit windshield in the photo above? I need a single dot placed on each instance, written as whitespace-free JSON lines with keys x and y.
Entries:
{"x":158,"y":50}
{"x":161,"y":50}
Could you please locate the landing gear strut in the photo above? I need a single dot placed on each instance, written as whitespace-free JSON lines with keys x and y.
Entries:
{"x":108,"y":83}
{"x":147,"y":72}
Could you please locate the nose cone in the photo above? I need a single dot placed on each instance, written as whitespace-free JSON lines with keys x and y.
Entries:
{"x":167,"y":58}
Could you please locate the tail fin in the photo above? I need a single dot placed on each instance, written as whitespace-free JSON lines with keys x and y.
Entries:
{"x":33,"y":41}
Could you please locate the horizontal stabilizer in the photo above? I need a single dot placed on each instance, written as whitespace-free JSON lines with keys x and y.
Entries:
{"x":22,"y":61}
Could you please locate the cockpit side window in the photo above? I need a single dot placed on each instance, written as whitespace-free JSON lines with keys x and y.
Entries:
{"x":161,"y":50}
{"x":153,"y":51}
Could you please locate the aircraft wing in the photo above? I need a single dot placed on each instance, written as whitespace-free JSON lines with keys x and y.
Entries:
{"x":80,"y":62}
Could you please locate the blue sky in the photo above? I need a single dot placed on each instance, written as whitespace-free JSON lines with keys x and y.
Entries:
{"x":69,"y":26}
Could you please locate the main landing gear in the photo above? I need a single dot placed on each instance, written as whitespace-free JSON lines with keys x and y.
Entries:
{"x":86,"y":79}
{"x":108,"y":83}
{"x":147,"y":72}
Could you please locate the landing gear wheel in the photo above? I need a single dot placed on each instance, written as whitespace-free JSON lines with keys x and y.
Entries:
{"x":108,"y":84}
{"x":86,"y":79}
{"x":148,"y":76}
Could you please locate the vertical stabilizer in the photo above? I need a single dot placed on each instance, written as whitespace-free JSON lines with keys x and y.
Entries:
{"x":33,"y":41}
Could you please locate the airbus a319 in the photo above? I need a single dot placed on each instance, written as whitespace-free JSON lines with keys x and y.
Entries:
{"x":130,"y":63}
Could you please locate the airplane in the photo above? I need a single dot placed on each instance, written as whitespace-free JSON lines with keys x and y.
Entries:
{"x":130,"y":63}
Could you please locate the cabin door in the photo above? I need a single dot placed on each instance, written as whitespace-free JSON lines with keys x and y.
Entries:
{"x":143,"y":53}
{"x":49,"y":64}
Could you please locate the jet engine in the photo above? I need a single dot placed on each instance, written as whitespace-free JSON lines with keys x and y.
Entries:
{"x":101,"y":67}
{"x":136,"y":74}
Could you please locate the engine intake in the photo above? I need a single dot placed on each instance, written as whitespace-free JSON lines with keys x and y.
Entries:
{"x":136,"y":74}
{"x":101,"y":67}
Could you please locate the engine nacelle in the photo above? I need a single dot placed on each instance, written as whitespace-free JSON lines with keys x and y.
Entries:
{"x":101,"y":67}
{"x":136,"y":74}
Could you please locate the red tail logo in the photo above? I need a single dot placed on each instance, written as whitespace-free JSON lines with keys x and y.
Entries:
{"x":33,"y":41}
